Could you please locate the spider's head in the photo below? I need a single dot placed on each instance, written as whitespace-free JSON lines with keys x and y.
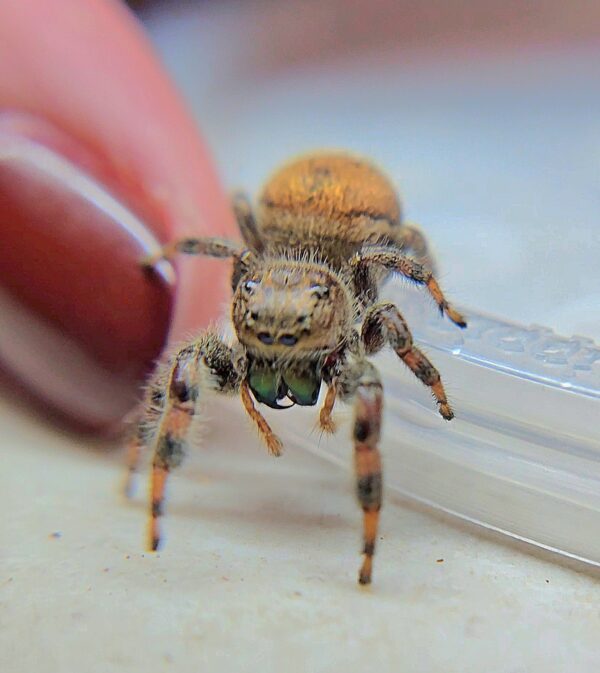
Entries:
{"x":290,"y":308}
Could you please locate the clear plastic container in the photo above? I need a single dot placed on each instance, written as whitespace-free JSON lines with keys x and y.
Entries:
{"x":521,"y":457}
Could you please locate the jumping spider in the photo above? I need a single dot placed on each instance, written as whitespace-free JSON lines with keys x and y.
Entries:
{"x":328,"y":230}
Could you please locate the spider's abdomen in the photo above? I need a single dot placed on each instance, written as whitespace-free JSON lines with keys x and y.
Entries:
{"x":332,"y":202}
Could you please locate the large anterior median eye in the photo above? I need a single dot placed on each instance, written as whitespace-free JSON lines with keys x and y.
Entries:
{"x":250,"y":286}
{"x":288,"y":340}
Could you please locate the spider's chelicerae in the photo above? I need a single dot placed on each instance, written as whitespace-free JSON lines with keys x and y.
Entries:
{"x":326,"y":233}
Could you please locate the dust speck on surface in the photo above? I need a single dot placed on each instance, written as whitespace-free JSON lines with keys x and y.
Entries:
{"x":439,"y":560}
{"x":55,"y":535}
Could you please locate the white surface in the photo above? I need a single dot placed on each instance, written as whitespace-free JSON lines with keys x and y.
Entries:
{"x":259,"y":573}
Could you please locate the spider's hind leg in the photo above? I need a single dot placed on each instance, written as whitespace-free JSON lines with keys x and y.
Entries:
{"x":413,"y":242}
{"x":246,"y":221}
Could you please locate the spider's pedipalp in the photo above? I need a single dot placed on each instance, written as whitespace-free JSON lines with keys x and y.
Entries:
{"x":326,"y":422}
{"x":273,"y":442}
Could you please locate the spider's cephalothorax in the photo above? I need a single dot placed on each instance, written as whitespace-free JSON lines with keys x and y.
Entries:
{"x":327,"y":232}
{"x":289,"y":316}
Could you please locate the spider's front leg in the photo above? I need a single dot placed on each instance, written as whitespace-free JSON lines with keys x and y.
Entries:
{"x":361,"y":381}
{"x":389,"y":257}
{"x":209,"y":246}
{"x":384,"y":324}
{"x":205,"y":363}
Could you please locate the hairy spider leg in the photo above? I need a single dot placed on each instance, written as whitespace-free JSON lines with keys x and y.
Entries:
{"x":384,"y":324}
{"x":205,"y":363}
{"x":392,"y":259}
{"x":183,"y":389}
{"x":220,"y":248}
{"x":368,"y":406}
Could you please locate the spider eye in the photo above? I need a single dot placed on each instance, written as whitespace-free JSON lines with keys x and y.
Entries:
{"x":265,"y":338}
{"x":250,"y":286}
{"x":288,"y":340}
{"x":320,"y":291}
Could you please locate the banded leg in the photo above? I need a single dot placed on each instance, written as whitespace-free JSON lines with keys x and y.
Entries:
{"x":221,"y":248}
{"x":412,"y":241}
{"x":206,"y":363}
{"x":367,"y":462}
{"x":246,"y":222}
{"x":392,"y":259}
{"x":384,"y":324}
{"x":362,"y":382}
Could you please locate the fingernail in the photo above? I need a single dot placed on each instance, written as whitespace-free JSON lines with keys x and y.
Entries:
{"x":80,"y":322}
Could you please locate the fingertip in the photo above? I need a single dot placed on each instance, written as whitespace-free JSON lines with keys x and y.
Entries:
{"x":132,"y":133}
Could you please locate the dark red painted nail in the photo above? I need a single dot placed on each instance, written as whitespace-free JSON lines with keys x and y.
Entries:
{"x":80,"y":322}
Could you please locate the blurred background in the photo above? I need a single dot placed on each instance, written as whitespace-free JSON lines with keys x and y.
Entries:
{"x":485,"y":114}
